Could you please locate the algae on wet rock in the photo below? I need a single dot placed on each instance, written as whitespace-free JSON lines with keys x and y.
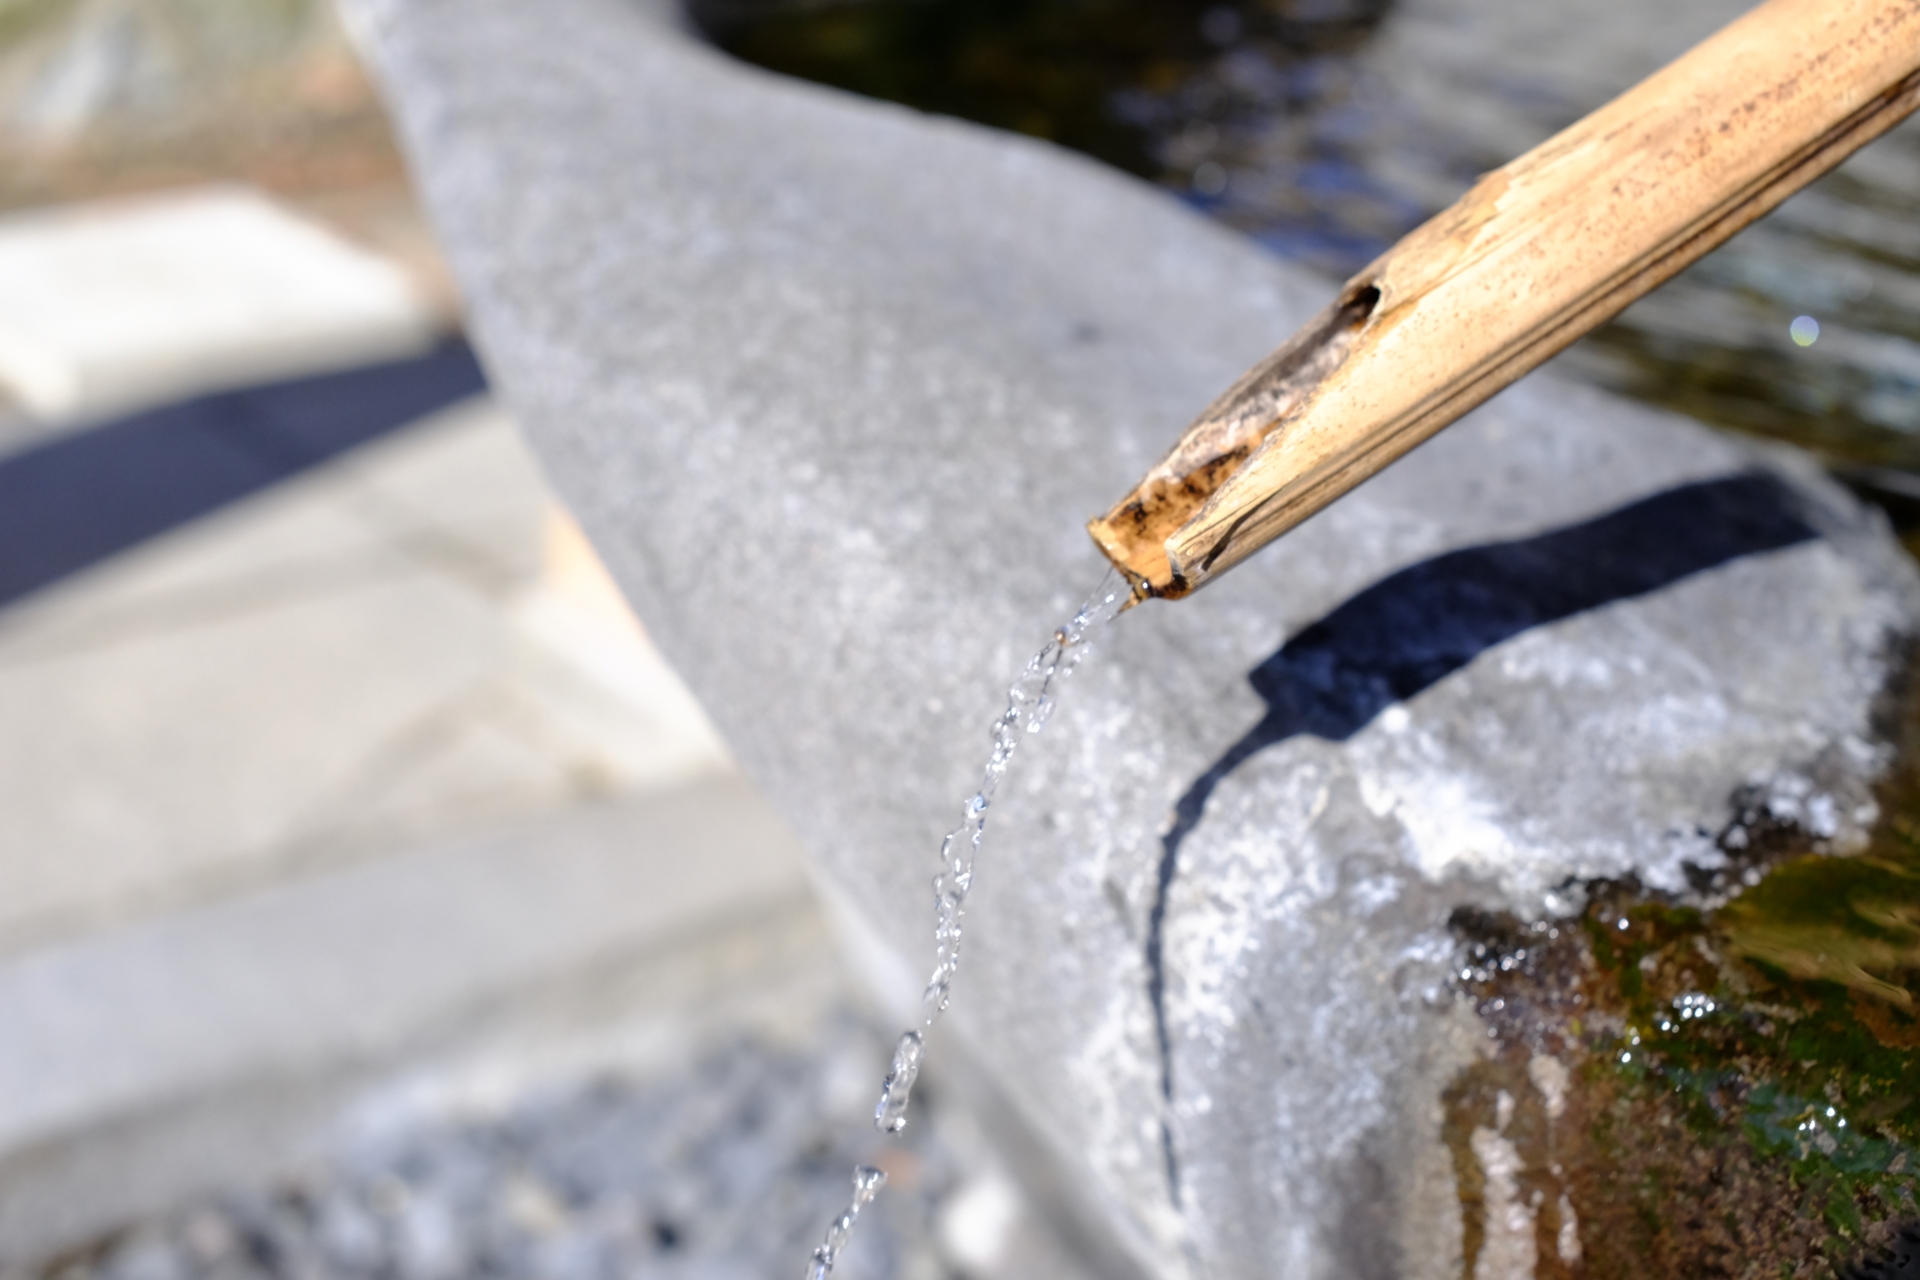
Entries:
{"x":1743,"y":1062}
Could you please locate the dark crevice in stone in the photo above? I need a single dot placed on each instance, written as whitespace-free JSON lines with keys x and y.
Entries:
{"x":1897,"y":1259}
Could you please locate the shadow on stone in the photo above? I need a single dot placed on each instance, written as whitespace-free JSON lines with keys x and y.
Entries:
{"x":74,"y":501}
{"x":1415,"y":627}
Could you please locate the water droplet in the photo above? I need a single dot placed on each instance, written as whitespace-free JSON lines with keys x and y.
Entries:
{"x":933,"y":1000}
{"x":867,"y":1182}
{"x":890,"y":1116}
{"x":1804,"y":331}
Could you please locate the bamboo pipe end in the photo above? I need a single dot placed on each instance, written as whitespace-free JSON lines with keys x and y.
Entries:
{"x":1133,"y":536}
{"x":1139,"y":533}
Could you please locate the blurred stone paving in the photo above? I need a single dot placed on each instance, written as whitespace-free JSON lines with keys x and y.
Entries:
{"x":726,"y":1172}
{"x":375,"y":901}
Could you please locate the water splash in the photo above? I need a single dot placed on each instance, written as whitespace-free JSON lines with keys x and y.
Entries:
{"x":1030,"y":702}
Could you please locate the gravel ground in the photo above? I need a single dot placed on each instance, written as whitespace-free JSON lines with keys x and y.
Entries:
{"x":729,"y":1170}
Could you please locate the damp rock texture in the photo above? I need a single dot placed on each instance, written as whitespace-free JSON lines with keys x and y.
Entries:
{"x":832,"y":385}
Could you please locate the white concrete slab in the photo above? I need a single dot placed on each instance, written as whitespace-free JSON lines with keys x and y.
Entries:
{"x":107,"y":305}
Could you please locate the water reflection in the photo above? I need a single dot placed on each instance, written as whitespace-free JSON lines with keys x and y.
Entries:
{"x":1329,"y":128}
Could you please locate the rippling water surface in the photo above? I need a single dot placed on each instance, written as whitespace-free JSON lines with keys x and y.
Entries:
{"x":1328,"y":128}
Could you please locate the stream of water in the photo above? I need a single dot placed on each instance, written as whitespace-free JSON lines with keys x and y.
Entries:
{"x":1030,"y":703}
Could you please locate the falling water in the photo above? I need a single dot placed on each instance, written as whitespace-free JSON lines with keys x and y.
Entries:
{"x":867,"y":1182}
{"x":1030,"y":701}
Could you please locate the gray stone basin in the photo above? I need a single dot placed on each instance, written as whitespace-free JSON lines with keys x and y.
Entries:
{"x":832,"y":386}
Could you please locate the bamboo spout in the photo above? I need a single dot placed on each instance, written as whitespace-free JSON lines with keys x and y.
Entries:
{"x":1535,"y":255}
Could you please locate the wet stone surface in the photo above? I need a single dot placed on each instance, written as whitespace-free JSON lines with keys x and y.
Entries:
{"x":1718,"y":1082}
{"x":722,"y":1172}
